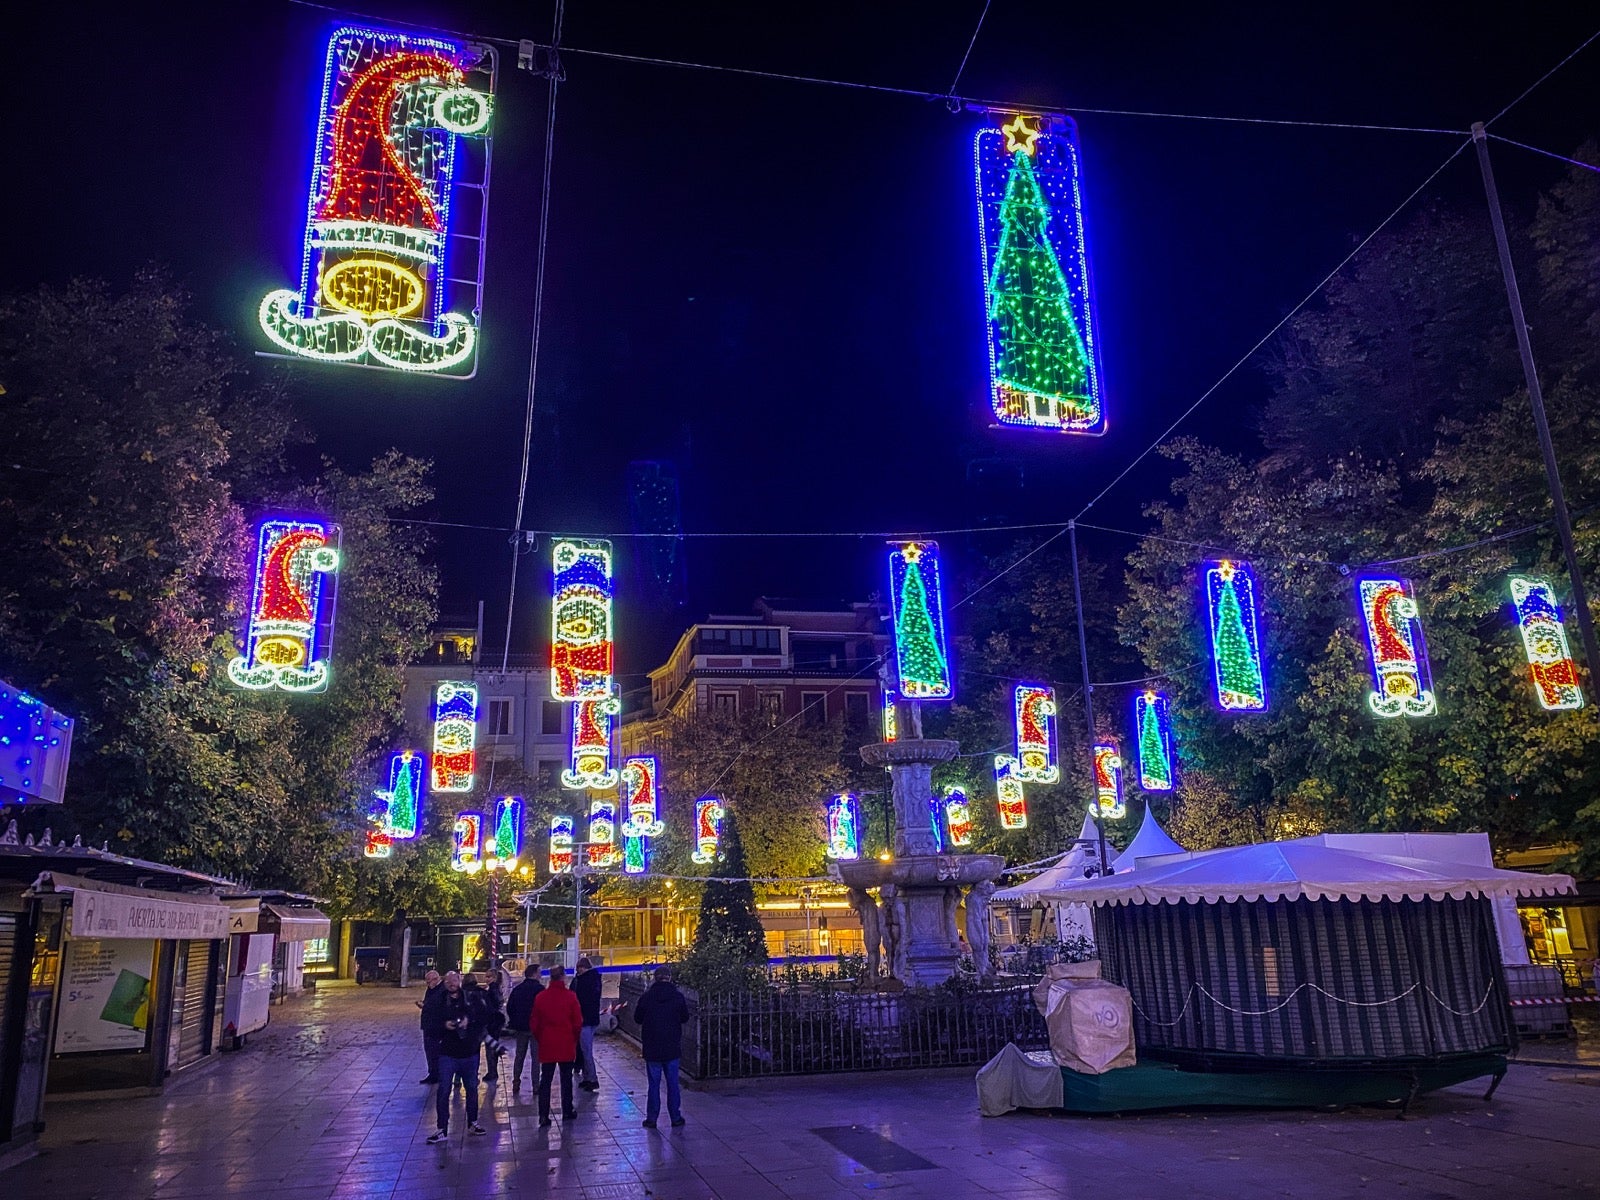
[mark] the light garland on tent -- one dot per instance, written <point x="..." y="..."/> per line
<point x="455" y="737"/>
<point x="1544" y="639"/>
<point x="291" y="607"/>
<point x="1044" y="362"/>
<point x="1394" y="643"/>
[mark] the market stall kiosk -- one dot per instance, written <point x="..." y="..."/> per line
<point x="1301" y="972"/>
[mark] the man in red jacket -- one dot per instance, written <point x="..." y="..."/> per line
<point x="557" y="1018"/>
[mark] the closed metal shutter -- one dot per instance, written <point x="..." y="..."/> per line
<point x="8" y="956"/>
<point x="192" y="1039"/>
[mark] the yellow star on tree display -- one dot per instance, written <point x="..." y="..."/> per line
<point x="1019" y="136"/>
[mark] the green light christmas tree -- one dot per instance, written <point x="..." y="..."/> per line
<point x="1041" y="365"/>
<point x="924" y="666"/>
<point x="1155" y="769"/>
<point x="1238" y="664"/>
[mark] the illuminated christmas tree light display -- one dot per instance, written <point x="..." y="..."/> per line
<point x="1035" y="712"/>
<point x="1152" y="718"/>
<point x="635" y="856"/>
<point x="1544" y="638"/>
<point x="402" y="800"/>
<point x="397" y="117"/>
<point x="1044" y="359"/>
<point x="582" y="652"/>
<point x="958" y="816"/>
<point x="591" y="745"/>
<point x="708" y="814"/>
<point x="1009" y="794"/>
<point x="922" y="655"/>
<point x="1235" y="637"/>
<point x="1395" y="646"/>
<point x="844" y="827"/>
<point x="890" y="730"/>
<point x="505" y="847"/>
<point x="561" y="845"/>
<point x="466" y="852"/>
<point x="455" y="737"/>
<point x="1108" y="781"/>
<point x="602" y="848"/>
<point x="640" y="797"/>
<point x="291" y="607"/>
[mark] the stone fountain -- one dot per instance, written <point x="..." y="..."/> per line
<point x="919" y="889"/>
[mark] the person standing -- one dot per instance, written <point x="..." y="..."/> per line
<point x="430" y="1043"/>
<point x="519" y="1019"/>
<point x="586" y="986"/>
<point x="494" y="1025"/>
<point x="457" y="1021"/>
<point x="556" y="1022"/>
<point x="662" y="1012"/>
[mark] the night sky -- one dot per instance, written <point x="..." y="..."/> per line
<point x="776" y="286"/>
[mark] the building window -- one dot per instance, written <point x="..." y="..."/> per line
<point x="551" y="717"/>
<point x="499" y="716"/>
<point x="317" y="952"/>
<point x="772" y="707"/>
<point x="725" y="702"/>
<point x="547" y="771"/>
<point x="815" y="707"/>
<point x="855" y="709"/>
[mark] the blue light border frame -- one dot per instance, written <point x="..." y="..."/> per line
<point x="935" y="581"/>
<point x="1055" y="128"/>
<point x="1413" y="634"/>
<point x="324" y="599"/>
<point x="1162" y="703"/>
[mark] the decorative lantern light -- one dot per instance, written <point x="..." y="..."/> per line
<point x="504" y="848"/>
<point x="560" y="845"/>
<point x="640" y="797"/>
<point x="1402" y="687"/>
<point x="467" y="854"/>
<point x="290" y="630"/>
<point x="921" y="651"/>
<point x="958" y="816"/>
<point x="1544" y="638"/>
<point x="455" y="737"/>
<point x="844" y="827"/>
<point x="602" y="849"/>
<point x="402" y="800"/>
<point x="1152" y="719"/>
<point x="1235" y="637"/>
<point x="708" y="814"/>
<point x="1035" y="714"/>
<point x="1108" y="781"/>
<point x="1009" y="794"/>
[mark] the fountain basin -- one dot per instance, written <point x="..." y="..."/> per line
<point x="922" y="870"/>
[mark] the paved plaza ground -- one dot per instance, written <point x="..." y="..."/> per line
<point x="325" y="1103"/>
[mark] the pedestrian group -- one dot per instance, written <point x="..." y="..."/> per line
<point x="552" y="1026"/>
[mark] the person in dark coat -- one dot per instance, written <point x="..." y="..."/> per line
<point x="430" y="1044"/>
<point x="457" y="1020"/>
<point x="519" y="1019"/>
<point x="494" y="1025"/>
<point x="556" y="1022"/>
<point x="662" y="1012"/>
<point x="586" y="986"/>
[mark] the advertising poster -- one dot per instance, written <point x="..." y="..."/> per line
<point x="105" y="995"/>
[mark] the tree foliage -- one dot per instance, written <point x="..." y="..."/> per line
<point x="144" y="449"/>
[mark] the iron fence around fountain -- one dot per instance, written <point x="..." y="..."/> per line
<point x="823" y="1030"/>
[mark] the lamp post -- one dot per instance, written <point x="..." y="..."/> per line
<point x="495" y="867"/>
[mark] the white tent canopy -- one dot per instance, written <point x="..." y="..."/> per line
<point x="1314" y="867"/>
<point x="1067" y="869"/>
<point x="1150" y="841"/>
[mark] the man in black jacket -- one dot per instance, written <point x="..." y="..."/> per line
<point x="662" y="1013"/>
<point x="430" y="1044"/>
<point x="457" y="1019"/>
<point x="586" y="986"/>
<point x="519" y="1019"/>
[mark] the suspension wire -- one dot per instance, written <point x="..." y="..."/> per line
<point x="1279" y="324"/>
<point x="518" y="540"/>
<point x="1582" y="46"/>
<point x="1156" y="537"/>
<point x="1547" y="153"/>
<point x="956" y="82"/>
<point x="974" y="103"/>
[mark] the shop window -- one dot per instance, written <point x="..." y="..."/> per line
<point x="317" y="952"/>
<point x="499" y="716"/>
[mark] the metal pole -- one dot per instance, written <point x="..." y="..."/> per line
<point x="493" y="924"/>
<point x="1552" y="474"/>
<point x="1088" y="688"/>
